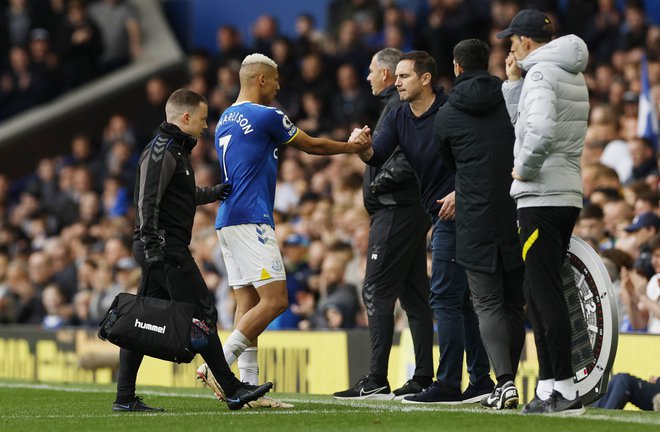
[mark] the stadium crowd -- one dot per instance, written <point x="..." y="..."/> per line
<point x="65" y="233"/>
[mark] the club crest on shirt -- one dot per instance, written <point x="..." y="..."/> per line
<point x="286" y="122"/>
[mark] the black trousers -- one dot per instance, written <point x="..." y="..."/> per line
<point x="396" y="269"/>
<point x="187" y="286"/>
<point x="545" y="234"/>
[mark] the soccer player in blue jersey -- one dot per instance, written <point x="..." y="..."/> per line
<point x="247" y="138"/>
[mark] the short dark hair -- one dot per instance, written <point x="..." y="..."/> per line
<point x="654" y="243"/>
<point x="187" y="98"/>
<point x="183" y="100"/>
<point x="472" y="54"/>
<point x="592" y="211"/>
<point x="422" y="63"/>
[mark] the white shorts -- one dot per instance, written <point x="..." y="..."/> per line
<point x="252" y="256"/>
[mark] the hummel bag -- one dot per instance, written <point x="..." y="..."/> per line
<point x="152" y="326"/>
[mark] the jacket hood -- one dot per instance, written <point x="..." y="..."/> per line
<point x="568" y="52"/>
<point x="440" y="98"/>
<point x="476" y="93"/>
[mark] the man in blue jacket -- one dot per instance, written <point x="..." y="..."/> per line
<point x="411" y="127"/>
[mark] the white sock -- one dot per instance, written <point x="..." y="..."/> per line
<point x="544" y="388"/>
<point x="235" y="344"/>
<point x="566" y="388"/>
<point x="248" y="366"/>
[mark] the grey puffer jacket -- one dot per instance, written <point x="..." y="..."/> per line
<point x="549" y="110"/>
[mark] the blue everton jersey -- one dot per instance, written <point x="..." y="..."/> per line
<point x="246" y="139"/>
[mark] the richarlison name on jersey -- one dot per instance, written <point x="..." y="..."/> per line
<point x="239" y="118"/>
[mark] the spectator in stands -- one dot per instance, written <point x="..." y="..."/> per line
<point x="264" y="31"/>
<point x="294" y="254"/>
<point x="79" y="45"/>
<point x="230" y="46"/>
<point x="643" y="228"/>
<point x="57" y="313"/>
<point x="602" y="30"/>
<point x="644" y="163"/>
<point x="625" y="388"/>
<point x="120" y="33"/>
<point x="352" y="102"/>
<point x="590" y="226"/>
<point x="632" y="32"/>
<point x="16" y="20"/>
<point x="25" y="302"/>
<point x="338" y="303"/>
<point x="45" y="60"/>
<point x="64" y="269"/>
<point x="23" y="86"/>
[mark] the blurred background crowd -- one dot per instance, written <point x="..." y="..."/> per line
<point x="66" y="228"/>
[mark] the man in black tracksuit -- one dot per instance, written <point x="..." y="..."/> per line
<point x="410" y="127"/>
<point x="396" y="258"/>
<point x="165" y="200"/>
<point x="476" y="137"/>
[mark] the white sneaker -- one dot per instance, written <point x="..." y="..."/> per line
<point x="206" y="376"/>
<point x="266" y="402"/>
<point x="505" y="397"/>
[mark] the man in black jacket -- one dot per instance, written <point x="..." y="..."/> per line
<point x="410" y="126"/>
<point x="476" y="136"/>
<point x="396" y="264"/>
<point x="165" y="200"/>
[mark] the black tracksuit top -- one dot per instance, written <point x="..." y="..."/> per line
<point x="165" y="192"/>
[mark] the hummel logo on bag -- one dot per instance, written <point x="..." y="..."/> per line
<point x="150" y="327"/>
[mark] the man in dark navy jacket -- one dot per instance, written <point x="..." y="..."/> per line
<point x="476" y="137"/>
<point x="396" y="259"/>
<point x="411" y="127"/>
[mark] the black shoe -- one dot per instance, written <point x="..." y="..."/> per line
<point x="135" y="405"/>
<point x="535" y="406"/>
<point x="437" y="393"/>
<point x="505" y="397"/>
<point x="475" y="392"/>
<point x="366" y="388"/>
<point x="246" y="393"/>
<point x="560" y="406"/>
<point x="410" y="388"/>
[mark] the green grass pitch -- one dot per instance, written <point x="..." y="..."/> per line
<point x="32" y="407"/>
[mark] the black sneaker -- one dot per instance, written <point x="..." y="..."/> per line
<point x="535" y="406"/>
<point x="366" y="388"/>
<point x="410" y="388"/>
<point x="505" y="397"/>
<point x="136" y="405"/>
<point x="560" y="406"/>
<point x="437" y="393"/>
<point x="246" y="393"/>
<point x="475" y="392"/>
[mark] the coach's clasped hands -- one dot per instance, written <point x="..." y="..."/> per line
<point x="362" y="137"/>
<point x="222" y="191"/>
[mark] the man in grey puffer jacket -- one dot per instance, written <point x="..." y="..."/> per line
<point x="549" y="109"/>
